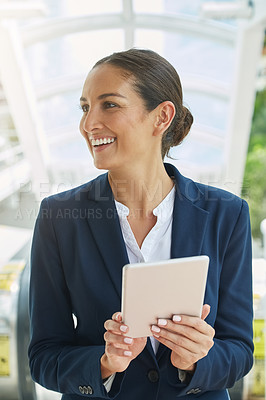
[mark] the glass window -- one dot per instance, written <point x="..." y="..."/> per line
<point x="72" y="54"/>
<point x="61" y="110"/>
<point x="148" y="6"/>
<point x="186" y="7"/>
<point x="191" y="7"/>
<point x="71" y="150"/>
<point x="207" y="110"/>
<point x="203" y="56"/>
<point x="149" y="38"/>
<point x="197" y="152"/>
<point x="81" y="7"/>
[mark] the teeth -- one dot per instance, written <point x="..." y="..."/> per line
<point x="98" y="142"/>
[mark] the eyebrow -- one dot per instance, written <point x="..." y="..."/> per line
<point x="104" y="95"/>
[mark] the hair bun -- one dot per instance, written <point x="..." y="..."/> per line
<point x="187" y="120"/>
<point x="178" y="130"/>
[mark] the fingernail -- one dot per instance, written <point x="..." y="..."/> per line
<point x="155" y="328"/>
<point x="127" y="353"/>
<point x="123" y="328"/>
<point x="176" y="318"/>
<point x="162" y="322"/>
<point x="156" y="335"/>
<point x="128" y="340"/>
<point x="118" y="317"/>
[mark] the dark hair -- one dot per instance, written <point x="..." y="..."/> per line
<point x="155" y="80"/>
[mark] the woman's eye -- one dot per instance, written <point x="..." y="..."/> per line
<point x="84" y="108"/>
<point x="109" y="104"/>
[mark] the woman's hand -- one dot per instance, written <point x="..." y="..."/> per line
<point x="189" y="338"/>
<point x="120" y="349"/>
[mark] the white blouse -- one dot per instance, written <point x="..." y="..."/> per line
<point x="157" y="244"/>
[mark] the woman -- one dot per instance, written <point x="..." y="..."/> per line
<point x="141" y="210"/>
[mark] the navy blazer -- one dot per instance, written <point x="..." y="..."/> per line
<point x="77" y="256"/>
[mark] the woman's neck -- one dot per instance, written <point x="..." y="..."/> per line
<point x="140" y="189"/>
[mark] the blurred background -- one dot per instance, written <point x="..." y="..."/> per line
<point x="46" y="50"/>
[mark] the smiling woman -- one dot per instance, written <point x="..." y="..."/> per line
<point x="141" y="210"/>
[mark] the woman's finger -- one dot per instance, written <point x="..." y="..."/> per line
<point x="118" y="327"/>
<point x="111" y="350"/>
<point x="117" y="317"/>
<point x="123" y="342"/>
<point x="205" y="311"/>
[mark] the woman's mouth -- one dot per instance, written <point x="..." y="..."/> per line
<point x="100" y="144"/>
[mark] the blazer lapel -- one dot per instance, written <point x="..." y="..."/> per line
<point x="189" y="226"/>
<point x="189" y="221"/>
<point x="105" y="227"/>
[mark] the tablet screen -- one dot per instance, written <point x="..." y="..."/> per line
<point x="161" y="289"/>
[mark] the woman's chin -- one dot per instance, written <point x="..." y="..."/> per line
<point x="108" y="163"/>
<point x="101" y="164"/>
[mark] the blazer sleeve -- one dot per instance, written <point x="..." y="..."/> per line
<point x="55" y="361"/>
<point x="231" y="357"/>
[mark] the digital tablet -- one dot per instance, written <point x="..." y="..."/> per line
<point x="160" y="290"/>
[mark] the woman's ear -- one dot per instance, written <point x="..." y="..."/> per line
<point x="164" y="114"/>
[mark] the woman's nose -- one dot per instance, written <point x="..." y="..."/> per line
<point x="92" y="121"/>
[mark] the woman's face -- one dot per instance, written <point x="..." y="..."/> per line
<point x="115" y="124"/>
